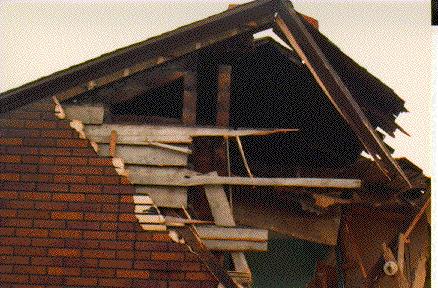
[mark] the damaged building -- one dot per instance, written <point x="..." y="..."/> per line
<point x="206" y="157"/>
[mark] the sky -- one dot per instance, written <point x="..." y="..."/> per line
<point x="392" y="40"/>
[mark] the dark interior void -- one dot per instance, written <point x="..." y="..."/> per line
<point x="161" y="102"/>
<point x="288" y="263"/>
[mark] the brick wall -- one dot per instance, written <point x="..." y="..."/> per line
<point x="67" y="218"/>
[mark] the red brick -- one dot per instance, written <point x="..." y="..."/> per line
<point x="35" y="196"/>
<point x="112" y="208"/>
<point x="81" y="281"/>
<point x="100" y="217"/>
<point x="101" y="254"/>
<point x="82" y="170"/>
<point x="12" y="123"/>
<point x="50" y="205"/>
<point x="10" y="158"/>
<point x="13" y="278"/>
<point x="74" y="234"/>
<point x="103" y="180"/>
<point x="7" y="231"/>
<point x="100" y="161"/>
<point x="45" y="242"/>
<point x="151" y="246"/>
<point x="19" y="133"/>
<point x="40" y="142"/>
<point x="22" y="260"/>
<point x="125" y="236"/>
<point x="69" y="179"/>
<point x="91" y="272"/>
<point x="80" y="262"/>
<point x="168" y="275"/>
<point x="82" y="243"/>
<point x="163" y="237"/>
<point x="99" y="235"/>
<point x="42" y="279"/>
<point x="132" y="274"/>
<point x="56" y="133"/>
<point x="86" y="188"/>
<point x="35" y="214"/>
<point x="127" y="218"/>
<point x="9" y="177"/>
<point x="142" y="255"/>
<point x="70" y="161"/>
<point x="30" y="269"/>
<point x="40" y="124"/>
<point x="99" y="198"/>
<point x="122" y="264"/>
<point x="64" y="252"/>
<point x="167" y="256"/>
<point x="80" y="206"/>
<point x="125" y="254"/>
<point x="25" y="232"/>
<point x="115" y="283"/>
<point x="63" y="271"/>
<point x="11" y="141"/>
<point x="185" y="284"/>
<point x="36" y="178"/>
<point x="31" y="251"/>
<point x="83" y="225"/>
<point x="141" y="283"/>
<point x="68" y="197"/>
<point x="8" y="213"/>
<point x="152" y="265"/>
<point x="13" y="241"/>
<point x="26" y="168"/>
<point x="110" y="226"/>
<point x="22" y="150"/>
<point x="116" y="245"/>
<point x="8" y="195"/>
<point x="6" y="268"/>
<point x="84" y="152"/>
<point x="58" y="169"/>
<point x="38" y="159"/>
<point x="17" y="204"/>
<point x="47" y="261"/>
<point x="52" y="187"/>
<point x="72" y="143"/>
<point x="51" y="224"/>
<point x="67" y="215"/>
<point x="6" y="250"/>
<point x="18" y="222"/>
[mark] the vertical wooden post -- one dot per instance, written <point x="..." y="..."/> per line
<point x="223" y="96"/>
<point x="190" y="97"/>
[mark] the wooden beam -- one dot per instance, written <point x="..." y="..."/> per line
<point x="219" y="206"/>
<point x="205" y="180"/>
<point x="232" y="233"/>
<point x="290" y="24"/>
<point x="189" y="98"/>
<point x="112" y="144"/>
<point x="236" y="246"/>
<point x="223" y="96"/>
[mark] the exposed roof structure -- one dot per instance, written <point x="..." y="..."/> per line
<point x="204" y="140"/>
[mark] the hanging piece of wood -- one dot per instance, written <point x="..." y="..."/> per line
<point x="232" y="233"/>
<point x="170" y="147"/>
<point x="242" y="153"/>
<point x="292" y="27"/>
<point x="112" y="144"/>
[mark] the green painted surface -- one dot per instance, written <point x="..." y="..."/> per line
<point x="288" y="263"/>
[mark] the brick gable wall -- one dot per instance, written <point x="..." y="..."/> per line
<point x="67" y="218"/>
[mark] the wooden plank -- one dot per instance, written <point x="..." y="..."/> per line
<point x="223" y="96"/>
<point x="220" y="208"/>
<point x="189" y="98"/>
<point x="236" y="246"/>
<point x="143" y="133"/>
<point x="112" y="144"/>
<point x="204" y="180"/>
<point x="88" y="114"/>
<point x="143" y="140"/>
<point x="169" y="197"/>
<point x="290" y="24"/>
<point x="232" y="233"/>
<point x="146" y="155"/>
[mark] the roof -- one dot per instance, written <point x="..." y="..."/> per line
<point x="363" y="93"/>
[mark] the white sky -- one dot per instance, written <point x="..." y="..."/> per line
<point x="390" y="39"/>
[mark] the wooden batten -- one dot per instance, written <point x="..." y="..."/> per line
<point x="88" y="114"/>
<point x="223" y="96"/>
<point x="232" y="233"/>
<point x="146" y="155"/>
<point x="189" y="98"/>
<point x="207" y="180"/>
<point x="236" y="246"/>
<point x="169" y="197"/>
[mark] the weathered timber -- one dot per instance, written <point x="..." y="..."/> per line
<point x="205" y="180"/>
<point x="223" y="96"/>
<point x="146" y="155"/>
<point x="88" y="114"/>
<point x="144" y="141"/>
<point x="236" y="246"/>
<point x="170" y="147"/>
<point x="143" y="133"/>
<point x="189" y="98"/>
<point x="219" y="206"/>
<point x="112" y="144"/>
<point x="290" y="24"/>
<point x="170" y="197"/>
<point x="242" y="154"/>
<point x="232" y="233"/>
